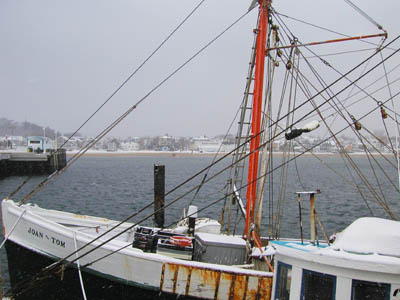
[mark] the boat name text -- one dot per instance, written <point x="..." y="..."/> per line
<point x="39" y="234"/>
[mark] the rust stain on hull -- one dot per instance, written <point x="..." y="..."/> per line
<point x="213" y="284"/>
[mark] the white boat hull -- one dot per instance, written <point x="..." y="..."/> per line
<point x="53" y="235"/>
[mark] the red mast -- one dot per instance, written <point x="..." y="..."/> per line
<point x="256" y="114"/>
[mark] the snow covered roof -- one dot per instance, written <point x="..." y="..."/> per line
<point x="370" y="236"/>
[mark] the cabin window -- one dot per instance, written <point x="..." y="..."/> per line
<point x="284" y="279"/>
<point x="318" y="286"/>
<point x="369" y="290"/>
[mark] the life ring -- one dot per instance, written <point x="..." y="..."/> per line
<point x="181" y="241"/>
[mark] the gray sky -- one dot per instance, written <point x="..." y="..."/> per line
<point x="59" y="60"/>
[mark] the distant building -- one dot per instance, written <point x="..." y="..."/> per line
<point x="111" y="147"/>
<point x="130" y="146"/>
<point x="39" y="144"/>
<point x="205" y="144"/>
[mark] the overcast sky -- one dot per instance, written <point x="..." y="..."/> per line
<point x="60" y="60"/>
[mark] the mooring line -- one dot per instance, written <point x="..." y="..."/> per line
<point x="12" y="229"/>
<point x="79" y="267"/>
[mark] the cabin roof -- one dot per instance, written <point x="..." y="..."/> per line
<point x="365" y="243"/>
<point x="370" y="236"/>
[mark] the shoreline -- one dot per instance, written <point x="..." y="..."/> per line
<point x="194" y="154"/>
<point x="145" y="153"/>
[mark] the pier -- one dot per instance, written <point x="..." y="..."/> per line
<point x="31" y="163"/>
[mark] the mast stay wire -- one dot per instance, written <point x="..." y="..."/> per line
<point x="370" y="95"/>
<point x="377" y="151"/>
<point x="54" y="265"/>
<point x="308" y="94"/>
<point x="350" y="160"/>
<point x="397" y="125"/>
<point x="362" y="98"/>
<point x="343" y="152"/>
<point x="364" y="14"/>
<point x="127" y="112"/>
<point x="263" y="175"/>
<point x="122" y="84"/>
<point x="51" y="267"/>
<point x="260" y="177"/>
<point x="277" y="121"/>
<point x="137" y="69"/>
<point x="325" y="85"/>
<point x="326" y="29"/>
<point x="331" y="83"/>
<point x="41" y="185"/>
<point x="360" y="89"/>
<point x="353" y="164"/>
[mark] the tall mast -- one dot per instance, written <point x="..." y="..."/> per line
<point x="256" y="114"/>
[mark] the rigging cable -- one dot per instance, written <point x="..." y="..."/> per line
<point x="370" y="96"/>
<point x="364" y="14"/>
<point x="138" y="68"/>
<point x="344" y="153"/>
<point x="307" y="92"/>
<point x="397" y="125"/>
<point x="280" y="166"/>
<point x="127" y="112"/>
<point x="123" y="83"/>
<point x="51" y="267"/>
<point x="325" y="29"/>
<point x="362" y="98"/>
<point x="351" y="161"/>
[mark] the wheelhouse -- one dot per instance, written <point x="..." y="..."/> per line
<point x="348" y="269"/>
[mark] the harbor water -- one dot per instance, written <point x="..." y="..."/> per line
<point x="116" y="186"/>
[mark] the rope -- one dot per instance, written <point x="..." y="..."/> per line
<point x="19" y="188"/>
<point x="12" y="229"/>
<point x="79" y="267"/>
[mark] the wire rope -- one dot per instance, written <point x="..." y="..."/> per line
<point x="127" y="112"/>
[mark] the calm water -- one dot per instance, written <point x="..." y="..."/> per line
<point x="115" y="187"/>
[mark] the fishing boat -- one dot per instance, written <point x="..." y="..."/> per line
<point x="56" y="254"/>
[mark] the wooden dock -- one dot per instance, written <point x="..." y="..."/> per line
<point x="30" y="163"/>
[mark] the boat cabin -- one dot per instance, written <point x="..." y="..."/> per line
<point x="38" y="144"/>
<point x="362" y="263"/>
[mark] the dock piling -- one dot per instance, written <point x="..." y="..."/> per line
<point x="159" y="191"/>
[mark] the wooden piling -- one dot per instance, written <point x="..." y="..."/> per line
<point x="312" y="216"/>
<point x="312" y="213"/>
<point x="159" y="191"/>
